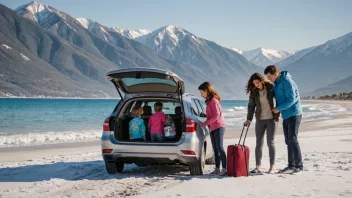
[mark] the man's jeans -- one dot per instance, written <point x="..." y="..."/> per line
<point x="291" y="126"/>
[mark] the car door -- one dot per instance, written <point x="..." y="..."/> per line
<point x="202" y="116"/>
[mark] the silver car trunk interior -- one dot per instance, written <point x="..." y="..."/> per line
<point x="121" y="128"/>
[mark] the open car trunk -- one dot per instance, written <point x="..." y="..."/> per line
<point x="146" y="80"/>
<point x="171" y="107"/>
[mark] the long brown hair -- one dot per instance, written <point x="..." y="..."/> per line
<point x="251" y="88"/>
<point x="211" y="92"/>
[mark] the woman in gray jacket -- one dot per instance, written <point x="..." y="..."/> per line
<point x="261" y="102"/>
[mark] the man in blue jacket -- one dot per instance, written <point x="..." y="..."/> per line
<point x="288" y="103"/>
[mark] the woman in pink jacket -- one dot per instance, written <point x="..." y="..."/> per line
<point x="215" y="120"/>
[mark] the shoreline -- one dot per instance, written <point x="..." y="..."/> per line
<point x="340" y="120"/>
<point x="28" y="152"/>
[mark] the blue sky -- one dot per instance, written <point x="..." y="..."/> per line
<point x="248" y="24"/>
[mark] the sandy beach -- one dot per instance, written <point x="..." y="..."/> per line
<point x="77" y="169"/>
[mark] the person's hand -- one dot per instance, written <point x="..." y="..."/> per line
<point x="246" y="123"/>
<point x="277" y="119"/>
<point x="203" y="125"/>
<point x="275" y="110"/>
<point x="144" y="139"/>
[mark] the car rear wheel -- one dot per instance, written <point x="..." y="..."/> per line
<point x="114" y="167"/>
<point x="199" y="167"/>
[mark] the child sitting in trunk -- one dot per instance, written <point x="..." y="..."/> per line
<point x="169" y="129"/>
<point x="136" y="125"/>
<point x="156" y="123"/>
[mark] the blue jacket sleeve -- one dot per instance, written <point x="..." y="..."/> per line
<point x="142" y="129"/>
<point x="291" y="96"/>
<point x="130" y="128"/>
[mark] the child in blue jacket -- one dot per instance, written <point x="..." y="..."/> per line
<point x="136" y="126"/>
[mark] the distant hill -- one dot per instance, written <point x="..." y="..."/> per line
<point x="323" y="65"/>
<point x="342" y="86"/>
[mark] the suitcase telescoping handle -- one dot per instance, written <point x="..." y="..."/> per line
<point x="244" y="139"/>
<point x="243" y="146"/>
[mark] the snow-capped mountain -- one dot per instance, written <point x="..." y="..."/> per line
<point x="38" y="63"/>
<point x="264" y="57"/>
<point x="96" y="28"/>
<point x="222" y="63"/>
<point x="87" y="23"/>
<point x="193" y="59"/>
<point x="44" y="15"/>
<point x="167" y="39"/>
<point x="323" y="64"/>
<point x="132" y="34"/>
<point x="332" y="47"/>
<point x="58" y="22"/>
<point x="81" y="51"/>
<point x="101" y="29"/>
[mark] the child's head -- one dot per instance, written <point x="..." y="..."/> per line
<point x="137" y="111"/>
<point x="158" y="107"/>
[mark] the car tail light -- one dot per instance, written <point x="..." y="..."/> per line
<point x="191" y="126"/>
<point x="107" y="150"/>
<point x="188" y="152"/>
<point x="106" y="125"/>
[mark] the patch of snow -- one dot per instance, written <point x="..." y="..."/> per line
<point x="25" y="57"/>
<point x="237" y="50"/>
<point x="68" y="25"/>
<point x="264" y="57"/>
<point x="167" y="37"/>
<point x="132" y="34"/>
<point x="102" y="29"/>
<point x="84" y="22"/>
<point x="6" y="47"/>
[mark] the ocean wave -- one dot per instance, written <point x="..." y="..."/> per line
<point x="234" y="118"/>
<point x="321" y="111"/>
<point x="235" y="108"/>
<point x="314" y="109"/>
<point x="48" y="138"/>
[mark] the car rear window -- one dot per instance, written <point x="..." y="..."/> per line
<point x="168" y="106"/>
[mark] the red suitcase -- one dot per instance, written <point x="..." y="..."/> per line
<point x="238" y="158"/>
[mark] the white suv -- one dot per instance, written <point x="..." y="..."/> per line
<point x="143" y="87"/>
